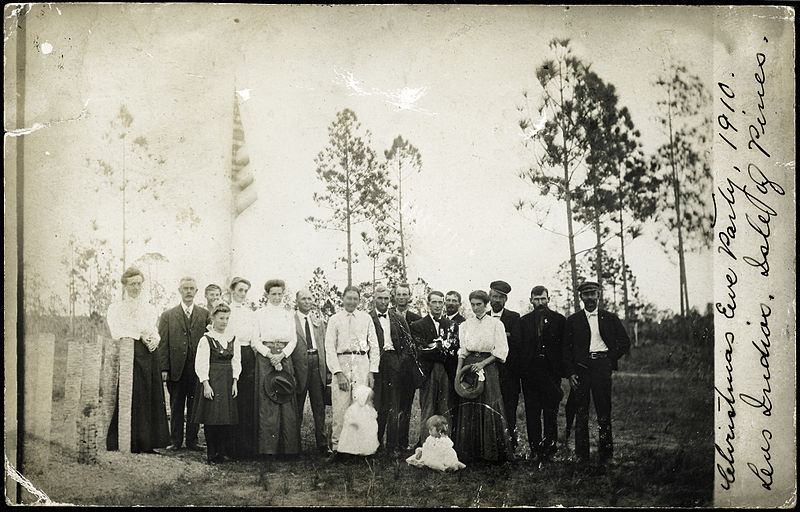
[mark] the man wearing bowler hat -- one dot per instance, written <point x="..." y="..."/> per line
<point x="510" y="371"/>
<point x="594" y="339"/>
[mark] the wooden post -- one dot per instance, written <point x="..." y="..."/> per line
<point x="125" y="394"/>
<point x="92" y="358"/>
<point x="109" y="378"/>
<point x="86" y="425"/>
<point x="38" y="399"/>
<point x="72" y="395"/>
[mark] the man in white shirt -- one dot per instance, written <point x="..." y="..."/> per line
<point x="310" y="370"/>
<point x="594" y="339"/>
<point x="352" y="355"/>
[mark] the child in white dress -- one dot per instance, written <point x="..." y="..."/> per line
<point x="360" y="429"/>
<point x="437" y="452"/>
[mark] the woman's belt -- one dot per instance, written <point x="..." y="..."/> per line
<point x="480" y="354"/>
<point x="275" y="346"/>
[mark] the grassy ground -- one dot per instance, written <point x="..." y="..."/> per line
<point x="662" y="421"/>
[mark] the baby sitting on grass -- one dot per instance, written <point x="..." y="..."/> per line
<point x="437" y="452"/>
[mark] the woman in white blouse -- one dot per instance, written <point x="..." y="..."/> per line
<point x="274" y="339"/>
<point x="482" y="432"/>
<point x="133" y="320"/>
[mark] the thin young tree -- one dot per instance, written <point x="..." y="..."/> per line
<point x="355" y="183"/>
<point x="682" y="162"/>
<point x="377" y="244"/>
<point x="402" y="159"/>
<point x="554" y="130"/>
<point x="636" y="202"/>
<point x="138" y="171"/>
<point x="599" y="114"/>
<point x="611" y="196"/>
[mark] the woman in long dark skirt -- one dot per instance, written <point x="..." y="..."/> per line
<point x="241" y="325"/>
<point x="482" y="432"/>
<point x="274" y="339"/>
<point x="133" y="320"/>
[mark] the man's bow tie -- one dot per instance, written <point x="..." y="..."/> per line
<point x="593" y="313"/>
<point x="382" y="315"/>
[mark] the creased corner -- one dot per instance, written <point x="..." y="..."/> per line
<point x="41" y="497"/>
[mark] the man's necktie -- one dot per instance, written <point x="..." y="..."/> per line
<point x="309" y="341"/>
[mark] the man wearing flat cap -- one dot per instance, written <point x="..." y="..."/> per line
<point x="594" y="339"/>
<point x="510" y="371"/>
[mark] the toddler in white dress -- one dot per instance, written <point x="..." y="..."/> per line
<point x="437" y="452"/>
<point x="360" y="429"/>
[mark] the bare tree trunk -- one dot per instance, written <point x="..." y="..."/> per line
<point x="676" y="193"/>
<point x="624" y="266"/>
<point x="573" y="263"/>
<point x="679" y="223"/>
<point x="400" y="215"/>
<point x="624" y="270"/>
<point x="124" y="188"/>
<point x="598" y="264"/>
<point x="572" y="259"/>
<point x="347" y="213"/>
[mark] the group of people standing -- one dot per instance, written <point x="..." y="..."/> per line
<point x="245" y="374"/>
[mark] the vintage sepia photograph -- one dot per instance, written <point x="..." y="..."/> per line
<point x="396" y="255"/>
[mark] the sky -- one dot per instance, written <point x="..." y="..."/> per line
<point x="176" y="67"/>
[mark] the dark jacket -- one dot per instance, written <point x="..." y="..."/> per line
<point x="410" y="317"/>
<point x="510" y="320"/>
<point x="423" y="332"/>
<point x="459" y="319"/>
<point x="577" y="338"/>
<point x="179" y="337"/>
<point x="528" y="341"/>
<point x="300" y="353"/>
<point x="401" y="338"/>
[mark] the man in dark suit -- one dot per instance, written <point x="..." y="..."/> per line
<point x="433" y="338"/>
<point x="452" y="305"/>
<point x="594" y="340"/>
<point x="394" y="383"/>
<point x="539" y="336"/>
<point x="509" y="371"/>
<point x="180" y="329"/>
<point x="310" y="371"/>
<point x="402" y="298"/>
